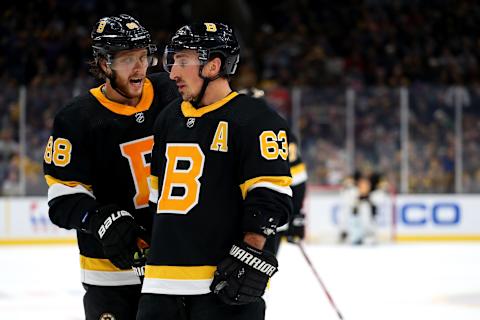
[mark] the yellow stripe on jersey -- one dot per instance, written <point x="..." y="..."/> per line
<point x="153" y="182"/>
<point x="153" y="185"/>
<point x="279" y="181"/>
<point x="101" y="272"/>
<point x="190" y="111"/>
<point x="96" y="264"/>
<point x="118" y="108"/>
<point x="51" y="181"/>
<point x="299" y="168"/>
<point x="180" y="273"/>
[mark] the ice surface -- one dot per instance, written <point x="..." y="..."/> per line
<point x="415" y="281"/>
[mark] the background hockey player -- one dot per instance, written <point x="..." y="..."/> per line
<point x="362" y="201"/>
<point x="97" y="163"/>
<point x="220" y="180"/>
<point x="295" y="230"/>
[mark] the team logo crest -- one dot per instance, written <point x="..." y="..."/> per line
<point x="132" y="25"/>
<point x="190" y="122"/>
<point x="139" y="117"/>
<point x="107" y="316"/>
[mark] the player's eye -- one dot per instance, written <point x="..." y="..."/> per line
<point x="144" y="59"/>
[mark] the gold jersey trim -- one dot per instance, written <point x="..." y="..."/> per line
<point x="190" y="111"/>
<point x="102" y="272"/>
<point x="299" y="174"/>
<point x="153" y="187"/>
<point x="154" y="182"/>
<point x="143" y="105"/>
<point x="283" y="182"/>
<point x="180" y="273"/>
<point x="299" y="168"/>
<point x="51" y="181"/>
<point x="96" y="264"/>
<point x="176" y="287"/>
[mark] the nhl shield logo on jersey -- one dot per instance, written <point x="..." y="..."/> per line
<point x="190" y="122"/>
<point x="139" y="117"/>
<point x="107" y="316"/>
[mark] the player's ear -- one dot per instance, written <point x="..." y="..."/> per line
<point x="104" y="66"/>
<point x="213" y="67"/>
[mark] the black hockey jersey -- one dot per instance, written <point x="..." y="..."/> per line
<point x="216" y="171"/>
<point x="98" y="154"/>
<point x="299" y="174"/>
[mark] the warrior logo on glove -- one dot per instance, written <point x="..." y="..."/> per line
<point x="253" y="261"/>
<point x="242" y="277"/>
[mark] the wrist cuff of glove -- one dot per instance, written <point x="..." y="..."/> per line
<point x="298" y="220"/>
<point x="262" y="261"/>
<point x="258" y="222"/>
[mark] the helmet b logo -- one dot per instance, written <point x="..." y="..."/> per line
<point x="101" y="26"/>
<point x="211" y="27"/>
<point x="132" y="25"/>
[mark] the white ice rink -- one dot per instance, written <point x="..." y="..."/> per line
<point x="394" y="282"/>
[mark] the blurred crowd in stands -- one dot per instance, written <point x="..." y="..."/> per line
<point x="320" y="47"/>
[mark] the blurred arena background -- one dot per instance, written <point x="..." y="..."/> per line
<point x="373" y="86"/>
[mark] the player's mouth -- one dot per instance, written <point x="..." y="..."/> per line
<point x="136" y="83"/>
<point x="180" y="86"/>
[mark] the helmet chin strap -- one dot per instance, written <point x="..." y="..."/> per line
<point x="206" y="81"/>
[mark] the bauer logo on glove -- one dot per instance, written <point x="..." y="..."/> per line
<point x="109" y="220"/>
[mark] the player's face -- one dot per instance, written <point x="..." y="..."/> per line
<point x="185" y="73"/>
<point x="130" y="68"/>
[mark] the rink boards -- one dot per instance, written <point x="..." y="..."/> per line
<point x="408" y="218"/>
<point x="426" y="217"/>
<point x="26" y="221"/>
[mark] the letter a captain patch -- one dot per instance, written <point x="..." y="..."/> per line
<point x="219" y="142"/>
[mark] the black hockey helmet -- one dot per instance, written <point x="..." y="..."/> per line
<point x="252" y="92"/>
<point x="118" y="33"/>
<point x="207" y="39"/>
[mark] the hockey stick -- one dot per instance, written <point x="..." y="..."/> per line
<point x="332" y="303"/>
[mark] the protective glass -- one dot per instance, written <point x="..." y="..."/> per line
<point x="171" y="58"/>
<point x="130" y="61"/>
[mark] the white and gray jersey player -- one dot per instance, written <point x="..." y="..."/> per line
<point x="359" y="217"/>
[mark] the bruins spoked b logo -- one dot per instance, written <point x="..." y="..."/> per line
<point x="107" y="316"/>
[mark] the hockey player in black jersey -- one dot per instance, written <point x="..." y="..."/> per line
<point x="220" y="187"/>
<point x="294" y="231"/>
<point x="96" y="164"/>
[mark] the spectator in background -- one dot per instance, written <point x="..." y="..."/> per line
<point x="425" y="45"/>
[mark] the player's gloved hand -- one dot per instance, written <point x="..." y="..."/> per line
<point x="242" y="277"/>
<point x="296" y="228"/>
<point x="117" y="231"/>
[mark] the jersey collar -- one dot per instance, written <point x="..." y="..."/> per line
<point x="190" y="111"/>
<point x="143" y="105"/>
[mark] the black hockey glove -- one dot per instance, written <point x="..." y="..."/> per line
<point x="242" y="277"/>
<point x="296" y="228"/>
<point x="117" y="231"/>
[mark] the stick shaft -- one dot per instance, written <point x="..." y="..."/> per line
<point x="312" y="267"/>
